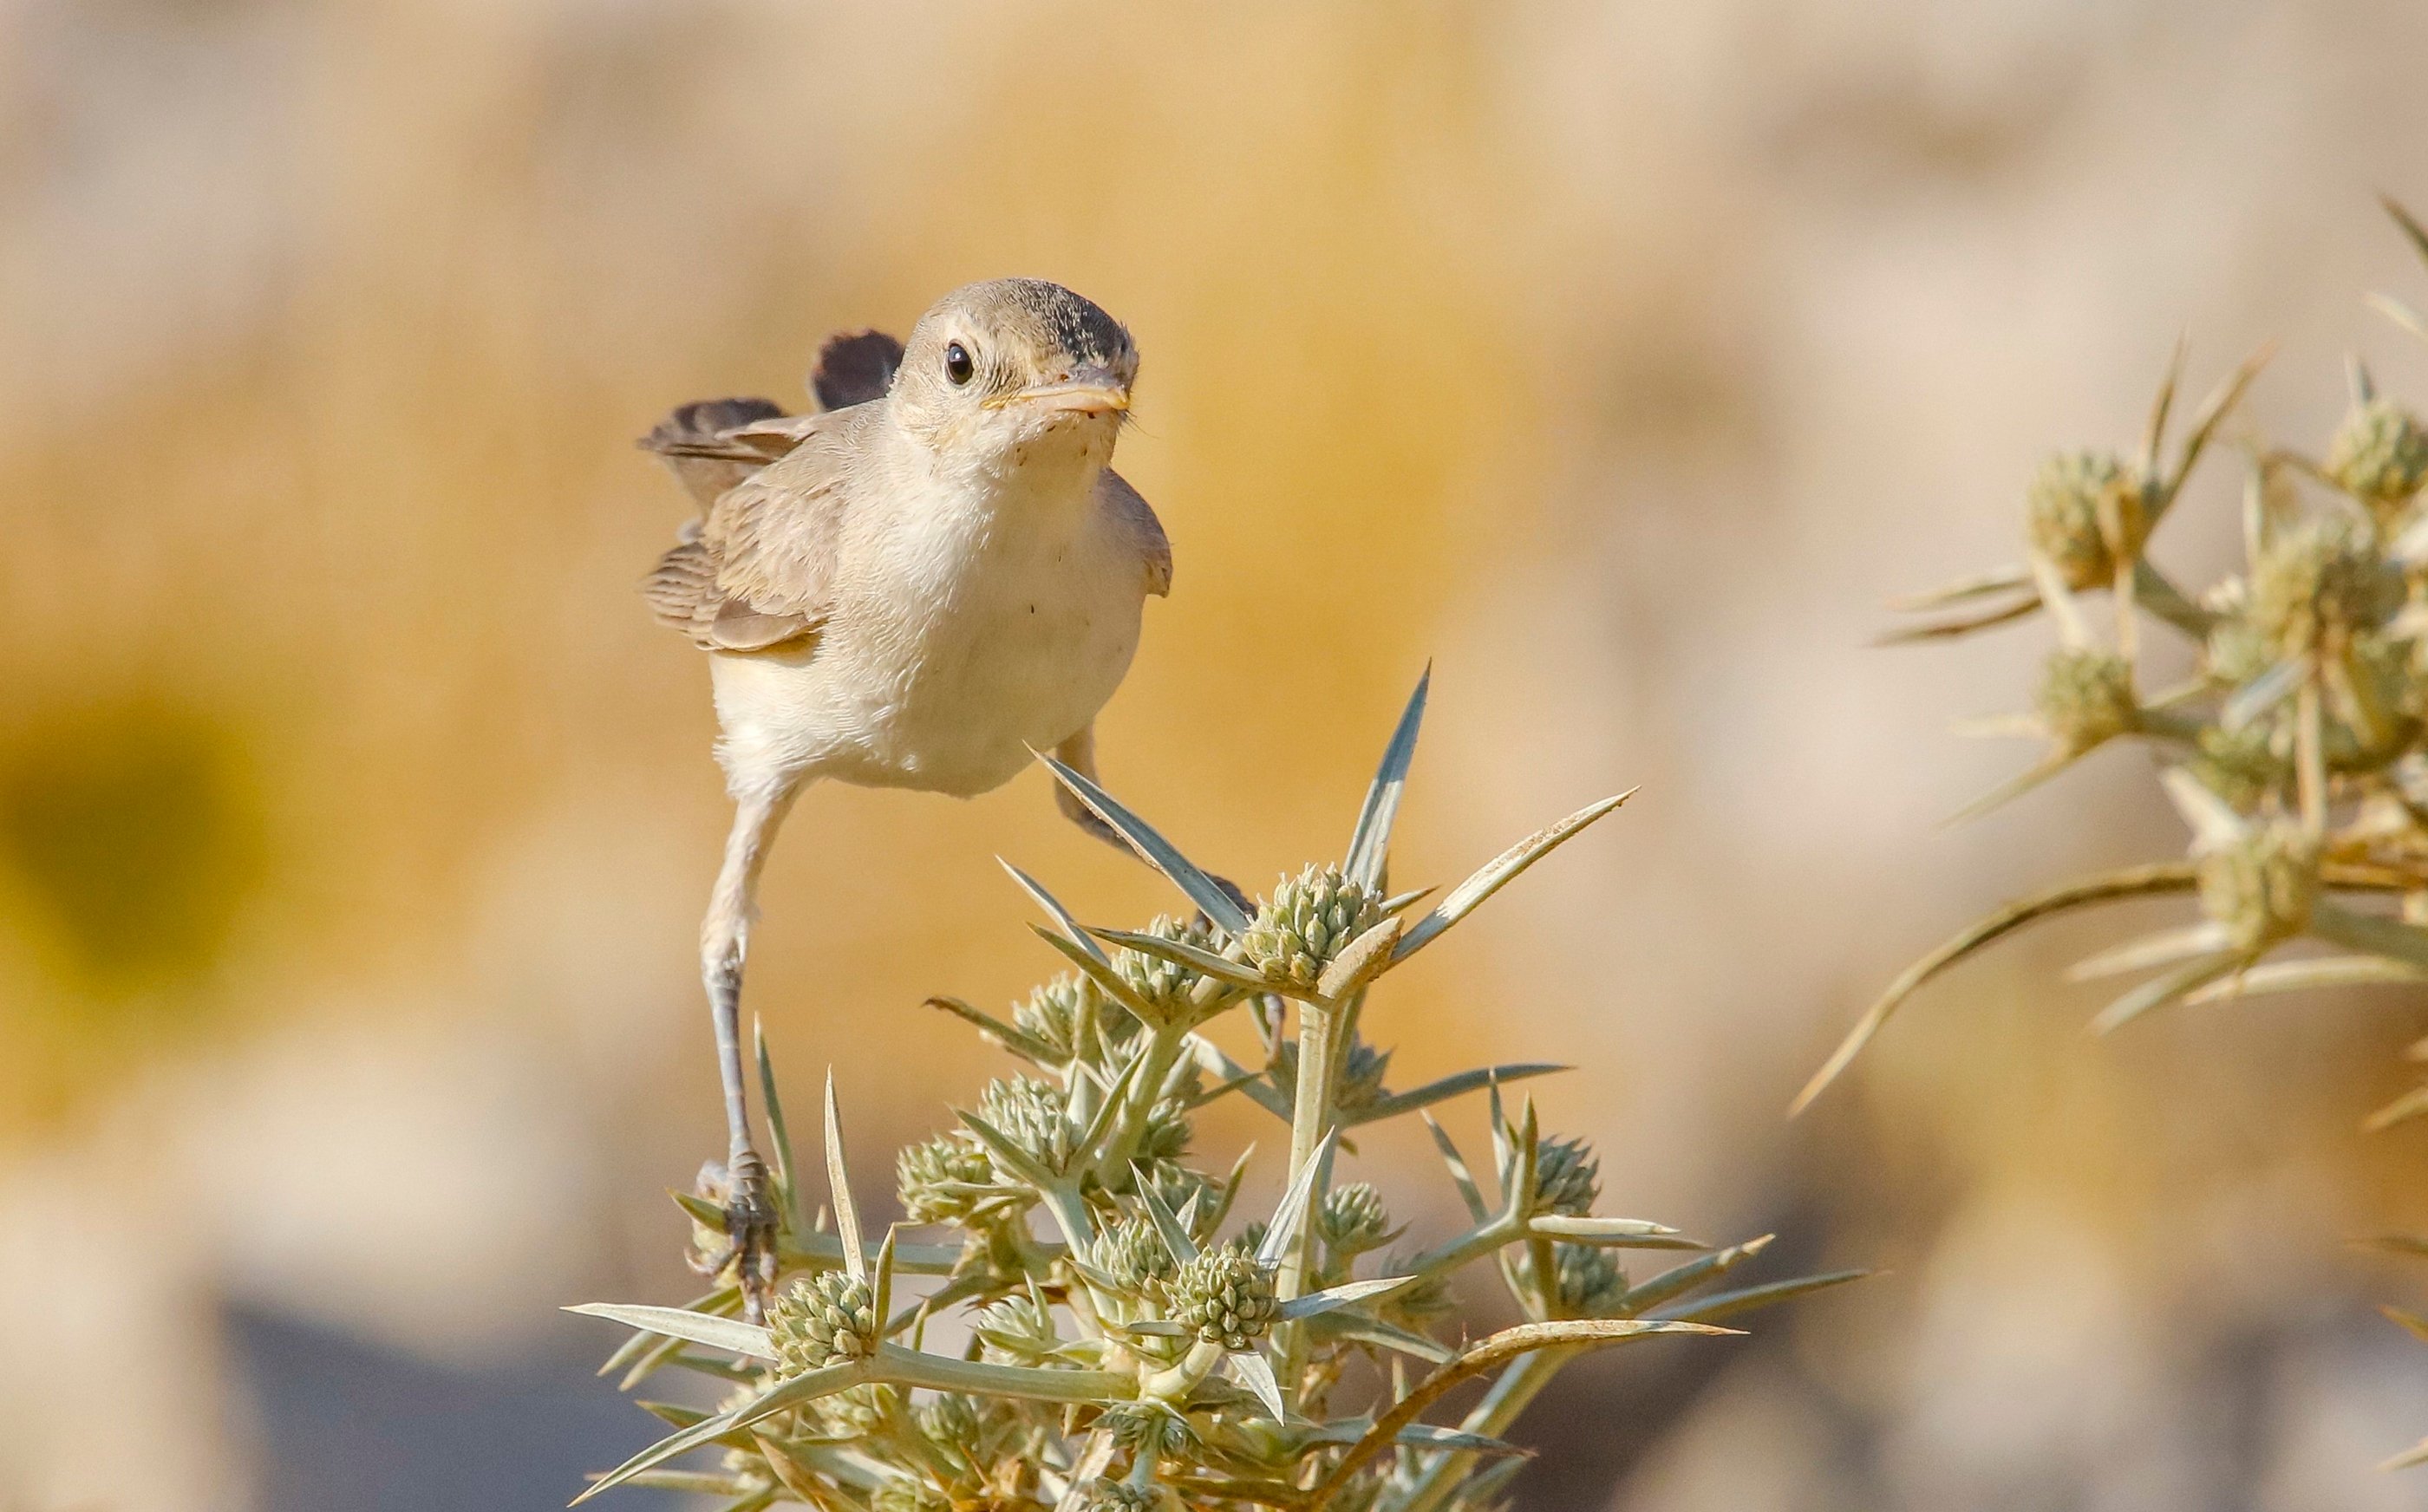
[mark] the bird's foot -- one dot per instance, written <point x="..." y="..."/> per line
<point x="747" y="1247"/>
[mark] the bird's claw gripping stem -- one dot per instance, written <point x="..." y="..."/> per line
<point x="751" y="1234"/>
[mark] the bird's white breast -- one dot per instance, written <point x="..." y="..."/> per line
<point x="975" y="619"/>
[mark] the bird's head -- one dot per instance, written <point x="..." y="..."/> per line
<point x="1016" y="371"/>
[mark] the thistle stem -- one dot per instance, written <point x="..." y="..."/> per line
<point x="1310" y="1120"/>
<point x="899" y="1366"/>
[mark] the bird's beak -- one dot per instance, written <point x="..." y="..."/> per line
<point x="1089" y="391"/>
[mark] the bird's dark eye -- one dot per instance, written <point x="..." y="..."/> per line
<point x="957" y="363"/>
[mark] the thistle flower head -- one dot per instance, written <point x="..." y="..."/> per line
<point x="2321" y="582"/>
<point x="1225" y="1297"/>
<point x="1061" y="1013"/>
<point x="1102" y="1495"/>
<point x="827" y="1319"/>
<point x="1148" y="1427"/>
<point x="1035" y="1116"/>
<point x="1353" y="1219"/>
<point x="909" y="1493"/>
<point x="934" y="1178"/>
<point x="2237" y="649"/>
<point x="1164" y="1138"/>
<point x="952" y="1419"/>
<point x="1309" y="920"/>
<point x="851" y="1414"/>
<point x="2262" y="885"/>
<point x="2064" y="509"/>
<point x="1361" y="1073"/>
<point x="2379" y="455"/>
<point x="2242" y="767"/>
<point x="1591" y="1283"/>
<point x="1133" y="1256"/>
<point x="2086" y="698"/>
<point x="1016" y="1330"/>
<point x="1165" y="986"/>
<point x="1567" y="1177"/>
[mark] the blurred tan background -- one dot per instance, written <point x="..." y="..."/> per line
<point x="355" y="820"/>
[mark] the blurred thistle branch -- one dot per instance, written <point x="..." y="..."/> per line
<point x="1128" y="1347"/>
<point x="2297" y="752"/>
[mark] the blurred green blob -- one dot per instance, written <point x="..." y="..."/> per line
<point x="133" y="833"/>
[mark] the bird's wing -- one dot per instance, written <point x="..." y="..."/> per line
<point x="712" y="444"/>
<point x="759" y="571"/>
<point x="1131" y="512"/>
<point x="699" y="444"/>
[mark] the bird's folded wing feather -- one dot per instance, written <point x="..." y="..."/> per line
<point x="1130" y="509"/>
<point x="760" y="571"/>
<point x="699" y="444"/>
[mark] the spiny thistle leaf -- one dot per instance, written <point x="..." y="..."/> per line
<point x="730" y="1334"/>
<point x="1499" y="871"/>
<point x="1729" y="1304"/>
<point x="1061" y="916"/>
<point x="1159" y="853"/>
<point x="1456" y="1085"/>
<point x="2131" y="881"/>
<point x="1369" y="844"/>
<point x="847" y="1212"/>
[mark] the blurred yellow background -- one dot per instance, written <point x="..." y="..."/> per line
<point x="355" y="821"/>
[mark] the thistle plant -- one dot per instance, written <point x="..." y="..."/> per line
<point x="1134" y="1340"/>
<point x="2296" y="751"/>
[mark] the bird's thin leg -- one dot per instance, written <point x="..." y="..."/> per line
<point x="749" y="1213"/>
<point x="1079" y="754"/>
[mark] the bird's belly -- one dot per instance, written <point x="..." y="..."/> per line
<point x="946" y="691"/>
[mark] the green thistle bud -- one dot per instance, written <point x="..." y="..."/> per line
<point x="2379" y="455"/>
<point x="1147" y="1427"/>
<point x="1309" y="920"/>
<point x="1035" y="1116"/>
<point x="933" y="1179"/>
<point x="1101" y="1495"/>
<point x="1059" y="1015"/>
<point x="1591" y="1283"/>
<point x="1227" y="1297"/>
<point x="851" y="1414"/>
<point x="1164" y="1138"/>
<point x="2062" y="506"/>
<point x="1017" y="1331"/>
<point x="1132" y="1254"/>
<point x="1361" y="1074"/>
<point x="902" y="1493"/>
<point x="2237" y="649"/>
<point x="1163" y="986"/>
<point x="826" y="1320"/>
<point x="1567" y="1177"/>
<point x="1353" y="1219"/>
<point x="952" y="1419"/>
<point x="2242" y="767"/>
<point x="2319" y="584"/>
<point x="1173" y="1183"/>
<point x="2086" y="699"/>
<point x="2262" y="886"/>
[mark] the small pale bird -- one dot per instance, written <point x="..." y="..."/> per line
<point x="923" y="583"/>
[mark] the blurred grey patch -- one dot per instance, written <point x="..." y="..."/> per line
<point x="135" y="834"/>
<point x="347" y="1425"/>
